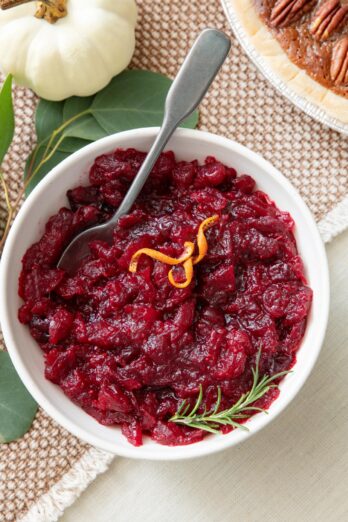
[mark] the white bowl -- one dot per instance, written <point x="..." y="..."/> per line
<point x="46" y="200"/>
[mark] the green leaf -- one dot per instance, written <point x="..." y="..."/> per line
<point x="46" y="167"/>
<point x="191" y="122"/>
<point x="75" y="105"/>
<point x="73" y="144"/>
<point x="85" y="128"/>
<point x="133" y="99"/>
<point x="17" y="408"/>
<point x="7" y="123"/>
<point x="49" y="116"/>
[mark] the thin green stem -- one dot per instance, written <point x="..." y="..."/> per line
<point x="9" y="210"/>
<point x="63" y="127"/>
<point x="36" y="170"/>
<point x="45" y="159"/>
<point x="33" y="158"/>
<point x="54" y="134"/>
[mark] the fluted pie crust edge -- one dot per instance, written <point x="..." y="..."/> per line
<point x="277" y="60"/>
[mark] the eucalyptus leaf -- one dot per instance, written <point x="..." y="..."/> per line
<point x="7" y="124"/>
<point x="17" y="407"/>
<point x="131" y="100"/>
<point x="85" y="128"/>
<point x="76" y="105"/>
<point x="45" y="168"/>
<point x="48" y="117"/>
<point x="72" y="144"/>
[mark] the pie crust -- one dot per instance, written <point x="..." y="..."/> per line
<point x="277" y="60"/>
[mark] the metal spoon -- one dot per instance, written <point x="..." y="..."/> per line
<point x="186" y="92"/>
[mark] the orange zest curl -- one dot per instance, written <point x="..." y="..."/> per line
<point x="155" y="254"/>
<point x="188" y="267"/>
<point x="186" y="259"/>
<point x="202" y="242"/>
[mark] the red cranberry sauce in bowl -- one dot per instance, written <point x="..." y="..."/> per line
<point x="130" y="347"/>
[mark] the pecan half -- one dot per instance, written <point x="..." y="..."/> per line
<point x="285" y="12"/>
<point x="327" y="19"/>
<point x="339" y="62"/>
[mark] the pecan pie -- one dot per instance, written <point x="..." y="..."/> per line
<point x="303" y="40"/>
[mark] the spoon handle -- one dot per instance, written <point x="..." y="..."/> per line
<point x="186" y="92"/>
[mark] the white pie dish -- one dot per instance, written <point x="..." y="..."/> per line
<point x="292" y="82"/>
<point x="49" y="196"/>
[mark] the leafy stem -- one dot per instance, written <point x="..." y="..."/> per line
<point x="46" y="157"/>
<point x="60" y="129"/>
<point x="213" y="419"/>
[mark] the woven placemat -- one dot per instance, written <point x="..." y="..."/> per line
<point x="46" y="470"/>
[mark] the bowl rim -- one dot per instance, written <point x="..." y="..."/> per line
<point x="219" y="442"/>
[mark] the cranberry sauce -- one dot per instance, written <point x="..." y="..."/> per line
<point x="129" y="347"/>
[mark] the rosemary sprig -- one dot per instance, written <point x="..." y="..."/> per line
<point x="212" y="420"/>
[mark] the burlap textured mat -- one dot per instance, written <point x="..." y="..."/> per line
<point x="41" y="474"/>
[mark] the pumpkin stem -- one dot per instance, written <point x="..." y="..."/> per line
<point x="49" y="10"/>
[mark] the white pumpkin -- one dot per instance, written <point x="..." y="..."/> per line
<point x="76" y="55"/>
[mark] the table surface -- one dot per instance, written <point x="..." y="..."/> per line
<point x="295" y="470"/>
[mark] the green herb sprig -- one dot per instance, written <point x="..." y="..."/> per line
<point x="213" y="419"/>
